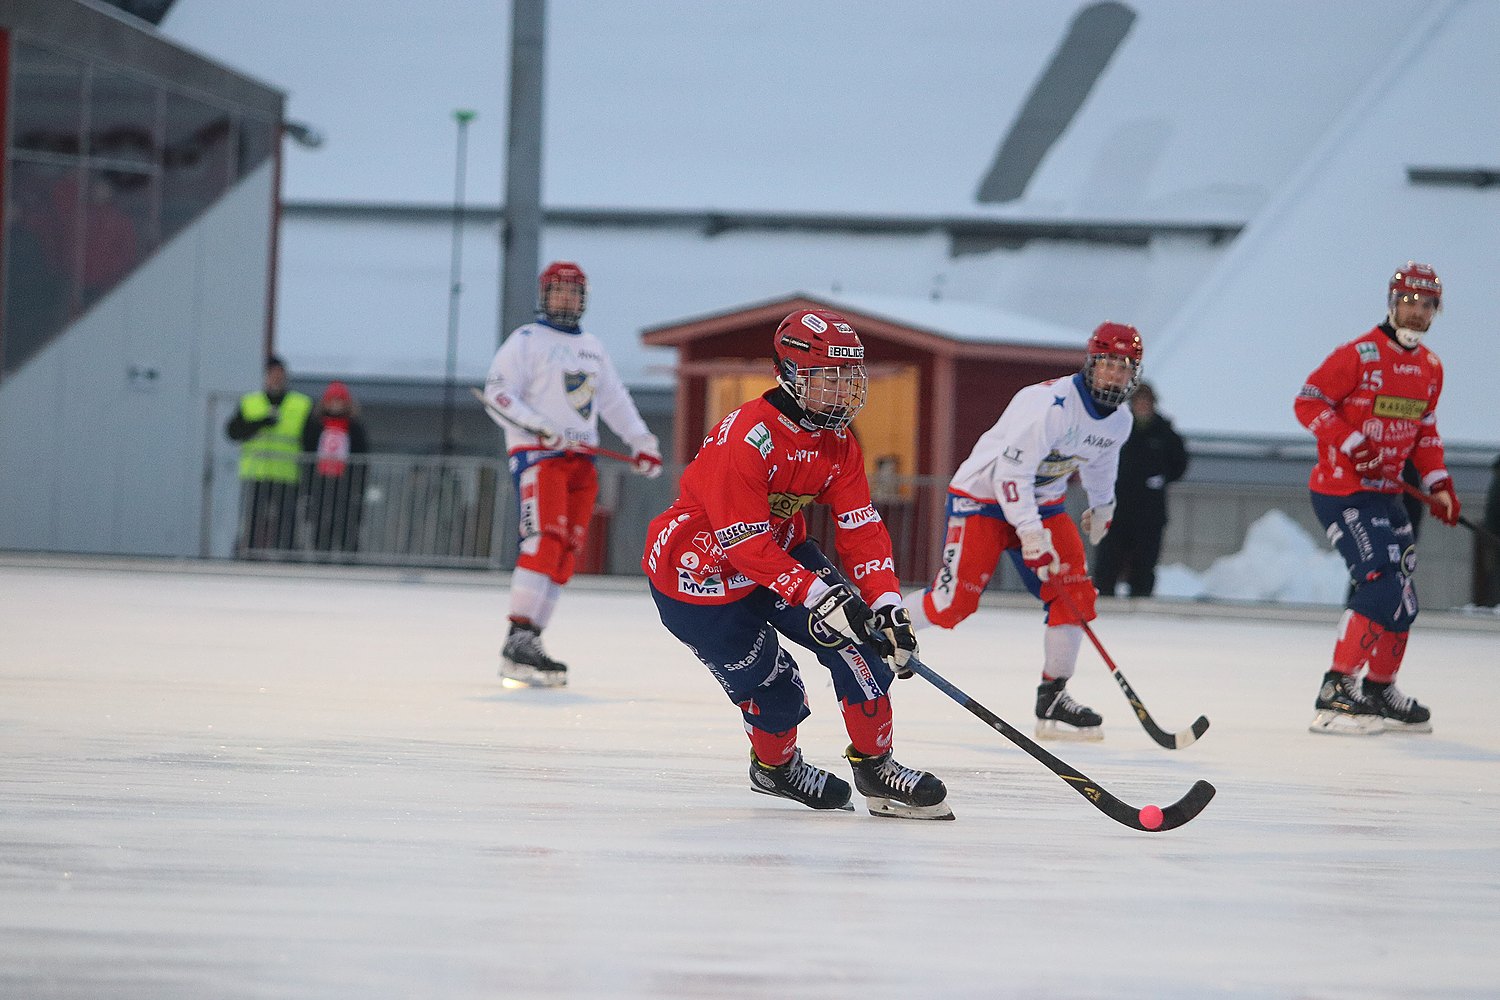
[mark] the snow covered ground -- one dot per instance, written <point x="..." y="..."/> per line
<point x="257" y="782"/>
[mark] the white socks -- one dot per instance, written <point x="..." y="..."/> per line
<point x="1061" y="644"/>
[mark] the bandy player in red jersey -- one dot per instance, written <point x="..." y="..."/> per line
<point x="1372" y="404"/>
<point x="730" y="566"/>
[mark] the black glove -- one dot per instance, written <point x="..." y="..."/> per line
<point x="844" y="613"/>
<point x="894" y="622"/>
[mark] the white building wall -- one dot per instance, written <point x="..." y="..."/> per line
<point x="105" y="429"/>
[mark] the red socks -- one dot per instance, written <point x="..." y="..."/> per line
<point x="1362" y="642"/>
<point x="869" y="725"/>
<point x="772" y="749"/>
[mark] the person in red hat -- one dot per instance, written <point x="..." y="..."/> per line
<point x="335" y="486"/>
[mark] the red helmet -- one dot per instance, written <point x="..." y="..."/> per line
<point x="1415" y="279"/>
<point x="821" y="364"/>
<point x="1114" y="342"/>
<point x="566" y="274"/>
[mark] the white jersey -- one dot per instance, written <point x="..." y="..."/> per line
<point x="1049" y="431"/>
<point x="563" y="381"/>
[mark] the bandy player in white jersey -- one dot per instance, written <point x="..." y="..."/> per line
<point x="1008" y="496"/>
<point x="550" y="382"/>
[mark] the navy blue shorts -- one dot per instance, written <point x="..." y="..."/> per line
<point x="738" y="643"/>
<point x="1373" y="534"/>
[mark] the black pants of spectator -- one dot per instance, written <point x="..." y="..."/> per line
<point x="335" y="505"/>
<point x="1486" y="573"/>
<point x="268" y="512"/>
<point x="1131" y="549"/>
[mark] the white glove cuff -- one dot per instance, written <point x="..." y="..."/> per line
<point x="815" y="593"/>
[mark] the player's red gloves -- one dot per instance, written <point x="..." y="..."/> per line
<point x="1366" y="458"/>
<point x="1444" y="502"/>
<point x="647" y="463"/>
<point x="1037" y="552"/>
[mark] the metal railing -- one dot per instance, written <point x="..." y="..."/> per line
<point x="392" y="510"/>
<point x="460" y="512"/>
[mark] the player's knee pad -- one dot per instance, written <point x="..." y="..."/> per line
<point x="548" y="554"/>
<point x="949" y="605"/>
<point x="780" y="703"/>
<point x="1386" y="598"/>
<point x="1081" y="608"/>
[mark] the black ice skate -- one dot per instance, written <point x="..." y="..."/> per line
<point x="901" y="792"/>
<point x="524" y="661"/>
<point x="1059" y="717"/>
<point x="1344" y="710"/>
<point x="801" y="782"/>
<point x="1399" y="712"/>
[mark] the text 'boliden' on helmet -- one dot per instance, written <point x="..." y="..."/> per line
<point x="821" y="365"/>
<point x="1113" y="369"/>
<point x="1413" y="281"/>
<point x="565" y="307"/>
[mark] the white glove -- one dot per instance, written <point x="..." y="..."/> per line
<point x="1096" y="521"/>
<point x="1037" y="552"/>
<point x="647" y="463"/>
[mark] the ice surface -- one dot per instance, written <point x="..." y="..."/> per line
<point x="258" y="783"/>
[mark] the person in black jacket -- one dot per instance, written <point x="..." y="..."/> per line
<point x="1486" y="553"/>
<point x="1152" y="457"/>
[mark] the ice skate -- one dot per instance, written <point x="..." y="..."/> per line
<point x="1399" y="713"/>
<point x="801" y="782"/>
<point x="1059" y="717"/>
<point x="901" y="792"/>
<point x="523" y="661"/>
<point x="1344" y="710"/>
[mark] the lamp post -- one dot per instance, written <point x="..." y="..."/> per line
<point x="455" y="281"/>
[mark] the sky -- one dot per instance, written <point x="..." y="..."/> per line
<point x="264" y="781"/>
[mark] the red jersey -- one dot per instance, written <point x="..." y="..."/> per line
<point x="739" y="512"/>
<point x="1389" y="394"/>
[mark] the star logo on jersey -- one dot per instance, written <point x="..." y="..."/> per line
<point x="1059" y="400"/>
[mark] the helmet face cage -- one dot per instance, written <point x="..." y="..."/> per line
<point x="830" y="395"/>
<point x="564" y="276"/>
<point x="820" y="364"/>
<point x="1112" y="395"/>
<point x="1117" y="345"/>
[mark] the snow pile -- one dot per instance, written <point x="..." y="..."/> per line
<point x="1279" y="562"/>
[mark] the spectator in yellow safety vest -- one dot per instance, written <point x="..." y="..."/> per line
<point x="268" y="424"/>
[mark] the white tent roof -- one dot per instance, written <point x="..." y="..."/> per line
<point x="961" y="320"/>
<point x="1298" y="119"/>
<point x="1310" y="271"/>
<point x="861" y="107"/>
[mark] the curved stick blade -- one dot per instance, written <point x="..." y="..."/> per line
<point x="1173" y="816"/>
